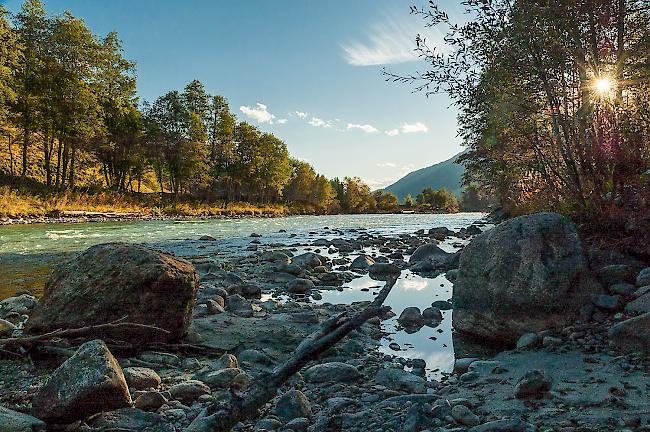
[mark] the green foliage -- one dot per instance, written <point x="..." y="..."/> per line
<point x="385" y="201"/>
<point x="473" y="200"/>
<point x="440" y="200"/>
<point x="409" y="201"/>
<point x="542" y="131"/>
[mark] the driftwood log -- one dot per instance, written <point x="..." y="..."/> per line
<point x="81" y="332"/>
<point x="221" y="417"/>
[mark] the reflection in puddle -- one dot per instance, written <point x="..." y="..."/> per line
<point x="434" y="345"/>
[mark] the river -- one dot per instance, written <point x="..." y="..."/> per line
<point x="28" y="252"/>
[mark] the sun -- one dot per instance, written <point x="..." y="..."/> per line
<point x="604" y="85"/>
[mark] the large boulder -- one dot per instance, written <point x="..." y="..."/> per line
<point x="116" y="281"/>
<point x="89" y="382"/>
<point x="525" y="275"/>
<point x="632" y="335"/>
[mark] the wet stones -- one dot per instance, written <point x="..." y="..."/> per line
<point x="300" y="286"/>
<point x="362" y="262"/>
<point x="89" y="382"/>
<point x="383" y="271"/>
<point x="411" y="317"/>
<point x="533" y="385"/>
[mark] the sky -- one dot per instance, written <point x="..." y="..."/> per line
<point x="307" y="71"/>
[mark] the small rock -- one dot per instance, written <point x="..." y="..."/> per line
<point x="300" y="286"/>
<point x="362" y="262"/>
<point x="332" y="372"/>
<point x="528" y="341"/>
<point x="189" y="391"/>
<point x="291" y="405"/>
<point x="610" y="303"/>
<point x="401" y="380"/>
<point x="411" y="317"/>
<point x="464" y="416"/>
<point x="150" y="401"/>
<point x="141" y="378"/>
<point x="534" y="384"/>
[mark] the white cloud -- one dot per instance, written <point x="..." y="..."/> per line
<point x="365" y="127"/>
<point x="315" y="121"/>
<point x="380" y="183"/>
<point x="392" y="132"/>
<point x="282" y="121"/>
<point x="391" y="41"/>
<point x="260" y="113"/>
<point x="386" y="165"/>
<point x="300" y="114"/>
<point x="414" y="128"/>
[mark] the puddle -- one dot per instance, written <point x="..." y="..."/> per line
<point x="434" y="345"/>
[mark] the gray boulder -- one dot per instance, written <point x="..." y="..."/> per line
<point x="12" y="421"/>
<point x="632" y="335"/>
<point x="401" y="380"/>
<point x="639" y="305"/>
<point x="308" y="260"/>
<point x="643" y="278"/>
<point x="89" y="382"/>
<point x="527" y="274"/>
<point x="111" y="281"/>
<point x="331" y="372"/>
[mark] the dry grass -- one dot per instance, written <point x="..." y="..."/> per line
<point x="15" y="204"/>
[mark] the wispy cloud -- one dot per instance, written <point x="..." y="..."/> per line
<point x="259" y="113"/>
<point x="300" y="114"/>
<point x="392" y="132"/>
<point x="416" y="127"/>
<point x="386" y="165"/>
<point x="282" y="121"/>
<point x="390" y="41"/>
<point x="364" y="127"/>
<point x="318" y="122"/>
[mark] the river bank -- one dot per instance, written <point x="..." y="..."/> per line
<point x="407" y="370"/>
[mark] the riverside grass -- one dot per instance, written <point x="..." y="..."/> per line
<point x="17" y="204"/>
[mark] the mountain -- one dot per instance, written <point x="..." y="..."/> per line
<point x="445" y="174"/>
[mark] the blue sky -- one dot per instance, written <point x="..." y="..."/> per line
<point x="310" y="72"/>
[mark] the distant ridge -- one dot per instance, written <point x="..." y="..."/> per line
<point x="445" y="174"/>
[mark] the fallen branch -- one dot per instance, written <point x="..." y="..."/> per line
<point x="221" y="417"/>
<point x="77" y="332"/>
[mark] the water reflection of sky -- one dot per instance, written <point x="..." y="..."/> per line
<point x="429" y="344"/>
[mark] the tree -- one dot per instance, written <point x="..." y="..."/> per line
<point x="439" y="200"/>
<point x="10" y="55"/>
<point x="385" y="201"/>
<point x="553" y="99"/>
<point x="31" y="28"/>
<point x="409" y="201"/>
<point x="357" y="197"/>
<point x="473" y="199"/>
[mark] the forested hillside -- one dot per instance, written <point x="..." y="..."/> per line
<point x="447" y="174"/>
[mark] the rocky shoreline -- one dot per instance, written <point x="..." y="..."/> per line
<point x="576" y="359"/>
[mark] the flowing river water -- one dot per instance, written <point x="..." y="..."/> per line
<point x="28" y="252"/>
